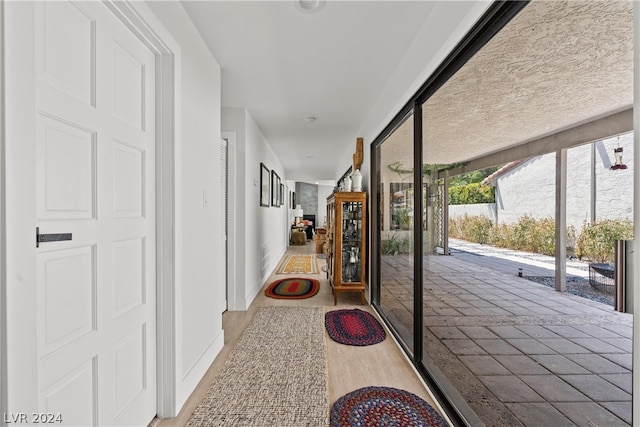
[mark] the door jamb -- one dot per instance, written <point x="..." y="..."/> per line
<point x="232" y="300"/>
<point x="3" y="270"/>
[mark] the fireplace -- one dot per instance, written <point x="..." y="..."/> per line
<point x="310" y="230"/>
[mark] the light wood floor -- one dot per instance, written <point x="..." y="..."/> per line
<point x="349" y="367"/>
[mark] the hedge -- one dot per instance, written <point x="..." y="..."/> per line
<point x="471" y="194"/>
<point x="595" y="242"/>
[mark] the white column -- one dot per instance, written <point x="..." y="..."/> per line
<point x="561" y="220"/>
<point x="445" y="215"/>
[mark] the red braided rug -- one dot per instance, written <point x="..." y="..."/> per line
<point x="383" y="406"/>
<point x="353" y="327"/>
<point x="293" y="288"/>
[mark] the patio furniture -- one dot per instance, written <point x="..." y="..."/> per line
<point x="601" y="276"/>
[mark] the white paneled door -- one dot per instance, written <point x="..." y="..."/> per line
<point x="95" y="179"/>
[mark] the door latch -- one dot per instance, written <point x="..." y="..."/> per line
<point x="41" y="238"/>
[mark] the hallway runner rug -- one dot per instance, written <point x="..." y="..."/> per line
<point x="293" y="288"/>
<point x="378" y="406"/>
<point x="299" y="264"/>
<point x="354" y="327"/>
<point x="275" y="376"/>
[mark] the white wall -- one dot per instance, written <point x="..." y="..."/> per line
<point x="579" y="198"/>
<point x="199" y="294"/>
<point x="530" y="187"/>
<point x="614" y="188"/>
<point x="265" y="229"/>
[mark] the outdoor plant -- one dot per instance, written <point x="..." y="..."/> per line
<point x="500" y="235"/>
<point x="596" y="241"/>
<point x="404" y="219"/>
<point x="474" y="228"/>
<point x="527" y="234"/>
<point x="471" y="194"/>
<point x="536" y="235"/>
<point x="396" y="244"/>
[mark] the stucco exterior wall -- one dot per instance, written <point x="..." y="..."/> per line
<point x="614" y="189"/>
<point x="579" y="197"/>
<point x="529" y="189"/>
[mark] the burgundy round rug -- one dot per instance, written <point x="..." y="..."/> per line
<point x="293" y="288"/>
<point x="353" y="327"/>
<point x="383" y="406"/>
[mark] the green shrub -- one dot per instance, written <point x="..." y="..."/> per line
<point x="527" y="234"/>
<point x="500" y="235"/>
<point x="471" y="194"/>
<point x="596" y="241"/>
<point x="396" y="245"/>
<point x="535" y="235"/>
<point x="471" y="228"/>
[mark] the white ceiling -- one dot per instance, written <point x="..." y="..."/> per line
<point x="284" y="65"/>
<point x="556" y="64"/>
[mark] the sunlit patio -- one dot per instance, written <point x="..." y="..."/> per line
<point x="518" y="352"/>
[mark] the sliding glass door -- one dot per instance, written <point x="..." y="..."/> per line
<point x="484" y="259"/>
<point x="395" y="230"/>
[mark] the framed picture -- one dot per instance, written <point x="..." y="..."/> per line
<point x="264" y="185"/>
<point x="293" y="200"/>
<point x="275" y="189"/>
<point x="281" y="194"/>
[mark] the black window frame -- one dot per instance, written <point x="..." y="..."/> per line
<point x="492" y="21"/>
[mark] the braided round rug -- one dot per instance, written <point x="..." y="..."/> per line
<point x="383" y="406"/>
<point x="293" y="288"/>
<point x="353" y="327"/>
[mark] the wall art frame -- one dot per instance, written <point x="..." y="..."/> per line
<point x="264" y="185"/>
<point x="275" y="189"/>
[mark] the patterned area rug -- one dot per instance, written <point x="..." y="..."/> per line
<point x="383" y="406"/>
<point x="275" y="376"/>
<point x="299" y="264"/>
<point x="354" y="327"/>
<point x="293" y="288"/>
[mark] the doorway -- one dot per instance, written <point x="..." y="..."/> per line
<point x="228" y="188"/>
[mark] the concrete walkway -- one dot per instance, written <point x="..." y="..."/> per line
<point x="517" y="352"/>
<point x="509" y="261"/>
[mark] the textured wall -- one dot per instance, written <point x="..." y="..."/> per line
<point x="530" y="187"/>
<point x="527" y="189"/>
<point x="307" y="196"/>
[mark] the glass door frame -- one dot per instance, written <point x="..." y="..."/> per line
<point x="493" y="20"/>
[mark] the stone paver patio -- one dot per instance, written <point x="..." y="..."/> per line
<point x="519" y="353"/>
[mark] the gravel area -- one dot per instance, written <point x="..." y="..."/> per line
<point x="577" y="286"/>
